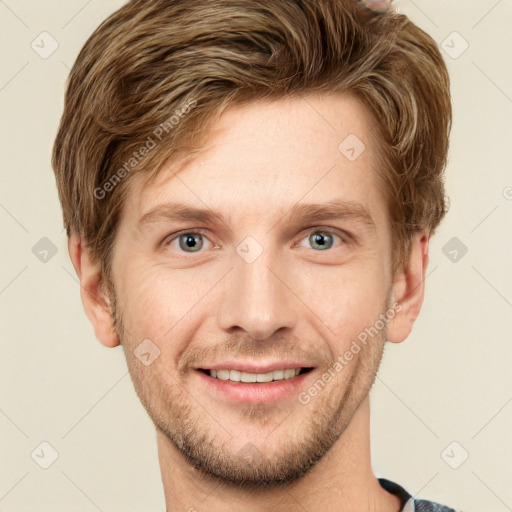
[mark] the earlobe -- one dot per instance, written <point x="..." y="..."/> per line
<point x="409" y="289"/>
<point x="96" y="303"/>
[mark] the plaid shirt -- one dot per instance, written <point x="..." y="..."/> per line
<point x="409" y="504"/>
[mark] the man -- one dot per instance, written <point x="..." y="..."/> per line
<point x="249" y="189"/>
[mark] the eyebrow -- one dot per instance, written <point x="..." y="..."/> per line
<point x="332" y="210"/>
<point x="299" y="213"/>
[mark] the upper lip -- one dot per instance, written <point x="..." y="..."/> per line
<point x="254" y="367"/>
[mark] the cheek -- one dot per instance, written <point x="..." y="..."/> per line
<point x="345" y="300"/>
<point x="158" y="302"/>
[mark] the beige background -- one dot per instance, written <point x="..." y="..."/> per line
<point x="449" y="382"/>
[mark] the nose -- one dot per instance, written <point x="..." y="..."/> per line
<point x="257" y="298"/>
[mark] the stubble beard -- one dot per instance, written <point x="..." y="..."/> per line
<point x="195" y="433"/>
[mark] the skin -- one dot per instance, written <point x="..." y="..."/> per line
<point x="294" y="300"/>
<point x="379" y="6"/>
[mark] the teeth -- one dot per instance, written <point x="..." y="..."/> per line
<point x="238" y="376"/>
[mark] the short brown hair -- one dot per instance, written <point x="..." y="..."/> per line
<point x="155" y="60"/>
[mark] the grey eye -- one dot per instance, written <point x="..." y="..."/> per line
<point x="188" y="241"/>
<point x="322" y="239"/>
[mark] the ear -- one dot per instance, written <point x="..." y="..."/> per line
<point x="95" y="301"/>
<point x="408" y="289"/>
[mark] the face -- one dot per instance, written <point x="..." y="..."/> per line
<point x="260" y="280"/>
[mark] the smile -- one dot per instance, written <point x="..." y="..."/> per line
<point x="246" y="387"/>
<point x="248" y="377"/>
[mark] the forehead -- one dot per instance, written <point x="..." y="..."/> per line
<point x="266" y="156"/>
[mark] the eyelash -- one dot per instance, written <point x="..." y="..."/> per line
<point x="344" y="237"/>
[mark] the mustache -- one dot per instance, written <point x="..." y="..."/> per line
<point x="277" y="347"/>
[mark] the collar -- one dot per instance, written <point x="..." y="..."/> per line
<point x="397" y="490"/>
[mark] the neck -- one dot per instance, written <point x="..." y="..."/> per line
<point x="342" y="481"/>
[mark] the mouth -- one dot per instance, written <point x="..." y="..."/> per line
<point x="255" y="378"/>
<point x="236" y="386"/>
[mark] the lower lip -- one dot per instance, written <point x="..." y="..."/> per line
<point x="255" y="392"/>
